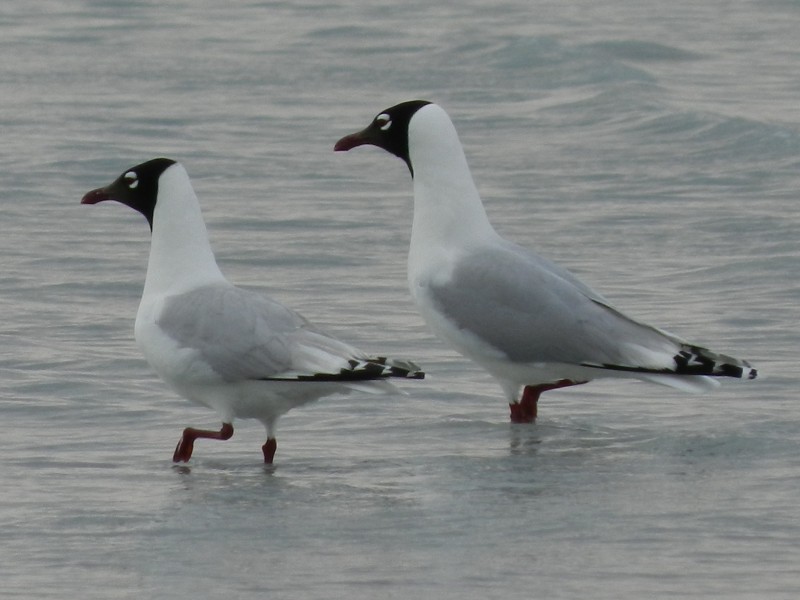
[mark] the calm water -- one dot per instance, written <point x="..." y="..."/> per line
<point x="652" y="147"/>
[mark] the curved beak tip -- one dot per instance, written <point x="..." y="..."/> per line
<point x="349" y="142"/>
<point x="341" y="145"/>
<point x="95" y="196"/>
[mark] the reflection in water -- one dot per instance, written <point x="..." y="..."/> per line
<point x="524" y="439"/>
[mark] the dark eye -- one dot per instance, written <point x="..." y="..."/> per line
<point x="132" y="179"/>
<point x="383" y="121"/>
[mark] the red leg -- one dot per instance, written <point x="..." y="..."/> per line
<point x="269" y="450"/>
<point x="183" y="452"/>
<point x="526" y="409"/>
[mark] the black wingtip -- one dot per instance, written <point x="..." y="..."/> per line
<point x="693" y="361"/>
<point x="371" y="369"/>
<point x="400" y="368"/>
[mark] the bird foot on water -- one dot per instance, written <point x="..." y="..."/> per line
<point x="522" y="413"/>
<point x="183" y="452"/>
<point x="269" y="450"/>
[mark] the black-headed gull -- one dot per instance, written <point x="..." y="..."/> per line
<point x="528" y="322"/>
<point x="234" y="351"/>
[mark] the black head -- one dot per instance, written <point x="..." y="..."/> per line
<point x="389" y="130"/>
<point x="137" y="187"/>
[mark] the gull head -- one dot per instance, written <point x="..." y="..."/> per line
<point x="136" y="187"/>
<point x="388" y="130"/>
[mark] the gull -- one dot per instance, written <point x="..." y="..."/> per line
<point x="530" y="323"/>
<point x="234" y="351"/>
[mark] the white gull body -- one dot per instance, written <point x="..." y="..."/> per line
<point x="234" y="351"/>
<point x="530" y="323"/>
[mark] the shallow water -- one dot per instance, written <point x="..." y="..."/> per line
<point x="653" y="148"/>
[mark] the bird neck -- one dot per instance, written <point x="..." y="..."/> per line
<point x="180" y="252"/>
<point x="448" y="212"/>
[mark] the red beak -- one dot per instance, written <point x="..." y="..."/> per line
<point x="349" y="142"/>
<point x="96" y="196"/>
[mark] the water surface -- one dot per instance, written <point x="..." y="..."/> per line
<point x="651" y="147"/>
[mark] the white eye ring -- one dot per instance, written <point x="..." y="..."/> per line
<point x="133" y="179"/>
<point x="386" y="119"/>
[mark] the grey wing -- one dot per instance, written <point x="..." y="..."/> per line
<point x="243" y="335"/>
<point x="534" y="311"/>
